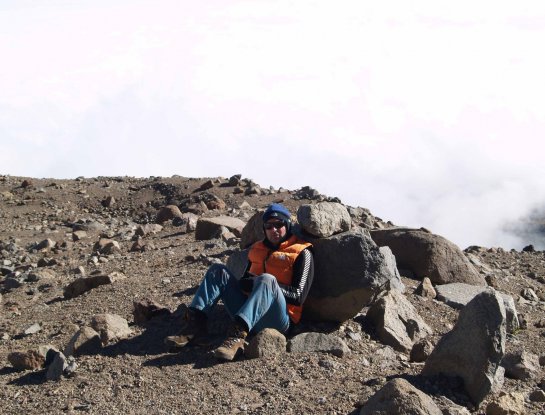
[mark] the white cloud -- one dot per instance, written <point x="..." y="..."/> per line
<point x="429" y="112"/>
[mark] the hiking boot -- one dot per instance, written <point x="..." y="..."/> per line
<point x="193" y="331"/>
<point x="233" y="343"/>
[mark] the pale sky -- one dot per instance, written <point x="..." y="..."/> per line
<point x="429" y="113"/>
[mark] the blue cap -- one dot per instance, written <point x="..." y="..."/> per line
<point x="278" y="211"/>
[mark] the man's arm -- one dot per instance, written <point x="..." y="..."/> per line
<point x="303" y="275"/>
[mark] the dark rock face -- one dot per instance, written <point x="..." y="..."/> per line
<point x="350" y="270"/>
<point x="428" y="255"/>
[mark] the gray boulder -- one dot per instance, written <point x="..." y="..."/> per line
<point x="428" y="255"/>
<point x="350" y="271"/>
<point x="210" y="228"/>
<point x="457" y="295"/>
<point x="397" y="322"/>
<point x="474" y="348"/>
<point x="399" y="397"/>
<point x="318" y="342"/>
<point x="324" y="219"/>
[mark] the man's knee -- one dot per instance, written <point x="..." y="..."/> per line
<point x="268" y="280"/>
<point x="218" y="271"/>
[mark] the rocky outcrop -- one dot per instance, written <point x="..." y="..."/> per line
<point x="428" y="255"/>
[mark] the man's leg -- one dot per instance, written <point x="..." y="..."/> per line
<point x="217" y="283"/>
<point x="264" y="308"/>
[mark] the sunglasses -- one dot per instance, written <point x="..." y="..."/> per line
<point x="275" y="225"/>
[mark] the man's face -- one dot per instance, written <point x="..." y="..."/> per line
<point x="275" y="230"/>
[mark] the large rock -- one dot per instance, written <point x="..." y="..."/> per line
<point x="397" y="322"/>
<point x="111" y="327"/>
<point x="399" y="397"/>
<point x="458" y="294"/>
<point x="209" y="228"/>
<point x="428" y="255"/>
<point x="350" y="271"/>
<point x="474" y="348"/>
<point x="324" y="219"/>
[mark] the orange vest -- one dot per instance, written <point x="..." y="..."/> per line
<point x="278" y="263"/>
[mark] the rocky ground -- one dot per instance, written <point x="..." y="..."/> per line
<point x="137" y="374"/>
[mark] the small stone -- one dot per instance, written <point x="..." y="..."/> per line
<point x="84" y="284"/>
<point x="108" y="202"/>
<point x="425" y="289"/>
<point x="106" y="246"/>
<point x="147" y="309"/>
<point x="46" y="244"/>
<point x="57" y="367"/>
<point x="111" y="327"/>
<point x="84" y="341"/>
<point x="35" y="328"/>
<point x="268" y="343"/>
<point x="78" y="235"/>
<point x="537" y="396"/>
<point x="29" y="360"/>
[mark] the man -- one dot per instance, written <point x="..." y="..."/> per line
<point x="270" y="294"/>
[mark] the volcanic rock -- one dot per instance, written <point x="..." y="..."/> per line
<point x="350" y="271"/>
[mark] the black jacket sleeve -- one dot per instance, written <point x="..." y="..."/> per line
<point x="303" y="275"/>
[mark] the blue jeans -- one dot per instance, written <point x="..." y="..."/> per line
<point x="264" y="307"/>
